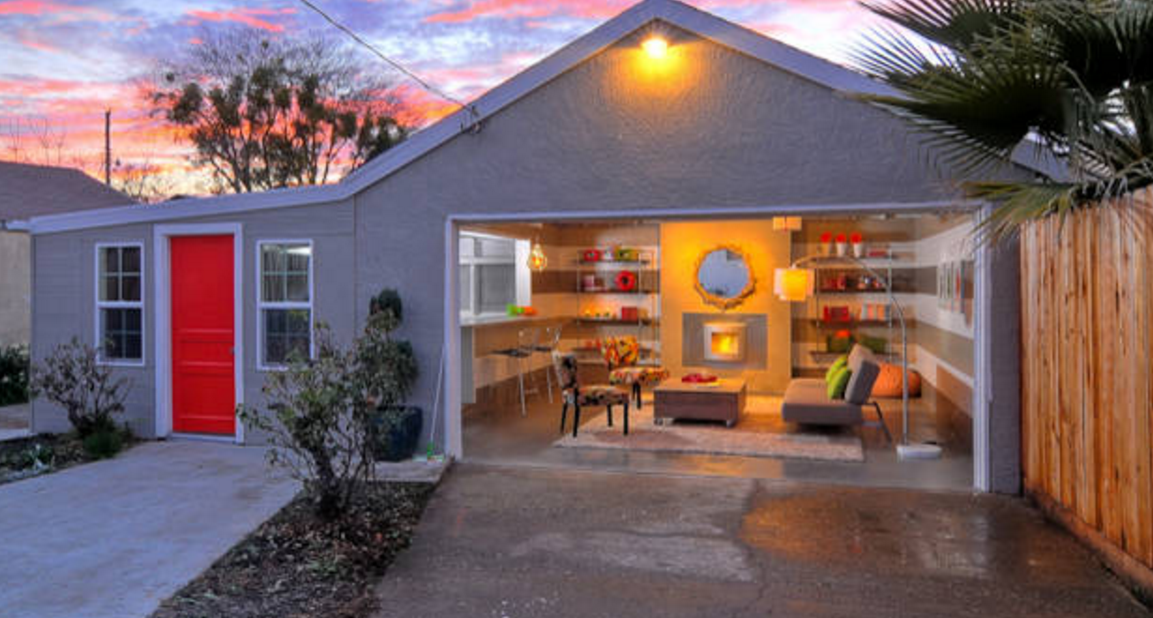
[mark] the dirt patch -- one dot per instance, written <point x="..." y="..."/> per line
<point x="298" y="566"/>
<point x="21" y="458"/>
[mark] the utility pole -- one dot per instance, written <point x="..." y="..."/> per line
<point x="108" y="147"/>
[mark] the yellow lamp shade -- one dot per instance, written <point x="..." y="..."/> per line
<point x="793" y="284"/>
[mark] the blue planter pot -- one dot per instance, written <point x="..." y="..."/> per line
<point x="398" y="440"/>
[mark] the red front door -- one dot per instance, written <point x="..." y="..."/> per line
<point x="203" y="376"/>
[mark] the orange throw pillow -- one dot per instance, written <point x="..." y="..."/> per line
<point x="888" y="384"/>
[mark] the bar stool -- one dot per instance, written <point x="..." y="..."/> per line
<point x="526" y="344"/>
<point x="547" y="345"/>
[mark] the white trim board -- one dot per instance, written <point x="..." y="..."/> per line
<point x="677" y="14"/>
<point x="162" y="297"/>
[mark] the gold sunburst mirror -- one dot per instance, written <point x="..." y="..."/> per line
<point x="724" y="277"/>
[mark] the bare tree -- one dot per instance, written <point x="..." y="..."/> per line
<point x="35" y="140"/>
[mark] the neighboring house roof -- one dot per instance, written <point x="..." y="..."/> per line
<point x="680" y="15"/>
<point x="28" y="191"/>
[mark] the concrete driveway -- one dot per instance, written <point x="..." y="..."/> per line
<point x="113" y="539"/>
<point x="518" y="542"/>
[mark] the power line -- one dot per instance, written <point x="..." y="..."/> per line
<point x="394" y="64"/>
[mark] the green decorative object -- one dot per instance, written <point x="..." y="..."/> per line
<point x="837" y="364"/>
<point x="877" y="345"/>
<point x="624" y="254"/>
<point x="839" y="345"/>
<point x="839" y="383"/>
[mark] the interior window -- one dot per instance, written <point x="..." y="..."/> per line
<point x="285" y="303"/>
<point x="488" y="274"/>
<point x="120" y="303"/>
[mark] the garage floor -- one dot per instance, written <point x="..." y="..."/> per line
<point x="519" y="543"/>
<point x="498" y="434"/>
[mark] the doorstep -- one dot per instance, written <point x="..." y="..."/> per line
<point x="421" y="470"/>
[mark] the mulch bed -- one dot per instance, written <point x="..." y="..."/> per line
<point x="296" y="565"/>
<point x="56" y="452"/>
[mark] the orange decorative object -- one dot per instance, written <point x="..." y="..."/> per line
<point x="889" y="382"/>
<point x="793" y="284"/>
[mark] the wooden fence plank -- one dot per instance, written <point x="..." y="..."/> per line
<point x="1087" y="370"/>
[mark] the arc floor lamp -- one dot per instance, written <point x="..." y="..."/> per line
<point x="796" y="284"/>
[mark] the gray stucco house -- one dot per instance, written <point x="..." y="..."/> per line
<point x="730" y="125"/>
<point x="28" y="191"/>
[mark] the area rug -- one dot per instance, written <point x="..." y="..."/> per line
<point x="760" y="433"/>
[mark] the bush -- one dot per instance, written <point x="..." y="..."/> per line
<point x="319" y="411"/>
<point x="72" y="378"/>
<point x="13" y="375"/>
<point x="104" y="444"/>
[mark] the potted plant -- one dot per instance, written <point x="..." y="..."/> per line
<point x="394" y="428"/>
<point x="842" y="245"/>
<point x="858" y="244"/>
<point x="827" y="244"/>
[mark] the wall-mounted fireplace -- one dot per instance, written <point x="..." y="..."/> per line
<point x="725" y="341"/>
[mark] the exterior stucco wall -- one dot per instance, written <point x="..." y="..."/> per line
<point x="65" y="294"/>
<point x="15" y="288"/>
<point x="711" y="129"/>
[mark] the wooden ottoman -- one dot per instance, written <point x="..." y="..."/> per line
<point x="723" y="400"/>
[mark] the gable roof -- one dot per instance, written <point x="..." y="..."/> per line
<point x="28" y="191"/>
<point x="678" y="14"/>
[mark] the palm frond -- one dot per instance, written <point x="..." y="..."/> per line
<point x="956" y="24"/>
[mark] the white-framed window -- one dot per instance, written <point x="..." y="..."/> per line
<point x="120" y="303"/>
<point x="490" y="274"/>
<point x="284" y="301"/>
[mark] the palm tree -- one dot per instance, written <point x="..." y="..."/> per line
<point x="1072" y="79"/>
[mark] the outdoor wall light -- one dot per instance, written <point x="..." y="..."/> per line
<point x="656" y="47"/>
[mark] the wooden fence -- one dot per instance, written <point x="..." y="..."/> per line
<point x="1087" y="388"/>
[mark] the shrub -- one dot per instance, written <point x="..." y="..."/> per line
<point x="13" y="374"/>
<point x="319" y="410"/>
<point x="72" y="378"/>
<point x="104" y="444"/>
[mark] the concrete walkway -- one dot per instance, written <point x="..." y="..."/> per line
<point x="517" y="542"/>
<point x="15" y="421"/>
<point x="112" y="539"/>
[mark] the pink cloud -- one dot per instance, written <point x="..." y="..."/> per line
<point x="512" y="9"/>
<point x="254" y="18"/>
<point x="31" y="7"/>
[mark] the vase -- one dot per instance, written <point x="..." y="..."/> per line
<point x="395" y="438"/>
<point x="842" y="249"/>
<point x="859" y="250"/>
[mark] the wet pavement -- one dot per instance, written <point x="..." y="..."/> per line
<point x="516" y="542"/>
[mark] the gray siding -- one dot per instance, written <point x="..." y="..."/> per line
<point x="15" y="288"/>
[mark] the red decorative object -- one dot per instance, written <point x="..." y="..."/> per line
<point x="841" y="238"/>
<point x="630" y="314"/>
<point x="591" y="255"/>
<point x="855" y="238"/>
<point x="837" y="313"/>
<point x="827" y="237"/>
<point x="626" y="281"/>
<point x="699" y="378"/>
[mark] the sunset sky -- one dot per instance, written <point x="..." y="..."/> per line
<point x="62" y="62"/>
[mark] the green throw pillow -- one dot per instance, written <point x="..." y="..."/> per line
<point x="839" y="383"/>
<point x="837" y="364"/>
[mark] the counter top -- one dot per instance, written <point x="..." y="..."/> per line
<point x="494" y="320"/>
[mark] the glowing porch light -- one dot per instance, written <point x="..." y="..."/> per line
<point x="793" y="285"/>
<point x="656" y="47"/>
